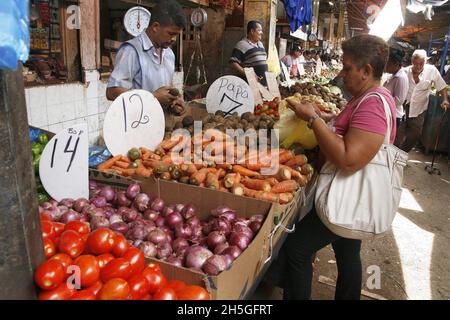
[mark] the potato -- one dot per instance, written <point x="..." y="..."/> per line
<point x="244" y="122"/>
<point x="178" y="125"/>
<point x="220" y="113"/>
<point x="188" y="121"/>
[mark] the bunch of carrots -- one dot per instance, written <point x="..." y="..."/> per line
<point x="243" y="179"/>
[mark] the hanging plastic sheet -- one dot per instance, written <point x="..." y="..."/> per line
<point x="299" y="12"/>
<point x="14" y="33"/>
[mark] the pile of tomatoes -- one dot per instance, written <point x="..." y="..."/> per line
<point x="269" y="108"/>
<point x="101" y="265"/>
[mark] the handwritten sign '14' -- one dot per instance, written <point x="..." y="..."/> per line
<point x="230" y="94"/>
<point x="135" y="119"/>
<point x="64" y="164"/>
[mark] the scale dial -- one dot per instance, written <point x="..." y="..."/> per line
<point x="136" y="20"/>
<point x="199" y="17"/>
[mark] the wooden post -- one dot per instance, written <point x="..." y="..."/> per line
<point x="21" y="248"/>
<point x="90" y="34"/>
<point x="264" y="11"/>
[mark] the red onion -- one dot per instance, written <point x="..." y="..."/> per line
<point x="239" y="228"/>
<point x="164" y="250"/>
<point x="133" y="190"/>
<point x="175" y="260"/>
<point x="70" y="215"/>
<point x="170" y="236"/>
<point x="80" y="204"/>
<point x="197" y="256"/>
<point x="182" y="252"/>
<point x="137" y="233"/>
<point x="167" y="210"/>
<point x="141" y="202"/>
<point x="207" y="227"/>
<point x="193" y="221"/>
<point x="228" y="261"/>
<point x="89" y="210"/>
<point x="221" y="210"/>
<point x="148" y="248"/>
<point x="136" y="223"/>
<point x="179" y="207"/>
<point x="148" y="227"/>
<point x="135" y="243"/>
<point x="255" y="226"/>
<point x="241" y="240"/>
<point x="92" y="185"/>
<point x="203" y="242"/>
<point x="157" y="205"/>
<point x="120" y="227"/>
<point x="55" y="213"/>
<point x="257" y="217"/>
<point x="54" y="203"/>
<point x="97" y="212"/>
<point x="84" y="218"/>
<point x="151" y="215"/>
<point x="214" y="265"/>
<point x="62" y="209"/>
<point x="130" y="215"/>
<point x="160" y="222"/>
<point x="108" y="193"/>
<point x="222" y="224"/>
<point x="233" y="251"/>
<point x="122" y="210"/>
<point x="99" y="222"/>
<point x="109" y="211"/>
<point x="122" y="200"/>
<point x="173" y="219"/>
<point x="229" y="215"/>
<point x="215" y="238"/>
<point x="157" y="236"/>
<point x="67" y="202"/>
<point x="188" y="211"/>
<point x="179" y="243"/>
<point x="115" y="218"/>
<point x="183" y="231"/>
<point x="99" y="202"/>
<point x="242" y="220"/>
<point x="47" y="205"/>
<point x="221" y="247"/>
<point x="197" y="232"/>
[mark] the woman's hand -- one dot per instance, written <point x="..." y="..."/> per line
<point x="303" y="111"/>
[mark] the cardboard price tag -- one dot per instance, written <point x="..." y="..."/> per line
<point x="135" y="119"/>
<point x="64" y="164"/>
<point x="230" y="94"/>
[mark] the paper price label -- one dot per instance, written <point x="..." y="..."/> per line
<point x="135" y="119"/>
<point x="64" y="164"/>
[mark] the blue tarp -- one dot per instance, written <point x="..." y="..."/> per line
<point x="299" y="12"/>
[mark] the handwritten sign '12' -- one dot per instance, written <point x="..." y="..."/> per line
<point x="135" y="119"/>
<point x="230" y="94"/>
<point x="64" y="164"/>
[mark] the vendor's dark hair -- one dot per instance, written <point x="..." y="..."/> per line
<point x="367" y="49"/>
<point x="396" y="56"/>
<point x="252" y="25"/>
<point x="168" y="12"/>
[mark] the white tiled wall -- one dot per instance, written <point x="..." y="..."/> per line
<point x="57" y="107"/>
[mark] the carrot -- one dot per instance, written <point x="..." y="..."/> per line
<point x="199" y="166"/>
<point x="109" y="163"/>
<point x="286" y="198"/>
<point x="117" y="170"/>
<point x="231" y="179"/>
<point x="121" y="164"/>
<point x="160" y="151"/>
<point x="295" y="174"/>
<point x="284" y="174"/>
<point x="238" y="189"/>
<point x="260" y="195"/>
<point x="286" y="156"/>
<point x="125" y="159"/>
<point x="254" y="184"/>
<point x="169" y="144"/>
<point x="244" y="171"/>
<point x="225" y="166"/>
<point x="152" y="163"/>
<point x="285" y="186"/>
<point x="188" y="169"/>
<point x="139" y="163"/>
<point x="298" y="160"/>
<point x="302" y="180"/>
<point x="212" y="181"/>
<point x="129" y="172"/>
<point x="199" y="177"/>
<point x="167" y="159"/>
<point x="143" y="172"/>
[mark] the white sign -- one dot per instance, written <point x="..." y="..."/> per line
<point x="64" y="164"/>
<point x="272" y="84"/>
<point x="230" y="94"/>
<point x="134" y="120"/>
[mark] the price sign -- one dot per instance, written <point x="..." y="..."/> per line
<point x="230" y="94"/>
<point x="64" y="164"/>
<point x="135" y="119"/>
<point x="272" y="84"/>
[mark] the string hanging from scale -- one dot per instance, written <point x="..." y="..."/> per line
<point x="198" y="51"/>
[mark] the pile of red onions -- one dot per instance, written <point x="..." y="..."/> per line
<point x="173" y="233"/>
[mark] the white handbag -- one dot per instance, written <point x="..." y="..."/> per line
<point x="363" y="204"/>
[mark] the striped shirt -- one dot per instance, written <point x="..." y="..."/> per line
<point x="250" y="55"/>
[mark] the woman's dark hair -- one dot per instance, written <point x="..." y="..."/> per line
<point x="167" y="13"/>
<point x="396" y="56"/>
<point x="253" y="25"/>
<point x="367" y="49"/>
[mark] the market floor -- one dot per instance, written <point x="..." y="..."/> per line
<point x="414" y="258"/>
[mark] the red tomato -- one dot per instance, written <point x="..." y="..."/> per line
<point x="146" y="297"/>
<point x="165" y="293"/>
<point x="49" y="275"/>
<point x="153" y="266"/>
<point x="49" y="248"/>
<point x="65" y="260"/>
<point x="48" y="230"/>
<point x="117" y="268"/>
<point x="56" y="241"/>
<point x="80" y="227"/>
<point x="104" y="259"/>
<point x="121" y="245"/>
<point x="89" y="270"/>
<point x="95" y="288"/>
<point x="101" y="241"/>
<point x="176" y="285"/>
<point x="114" y="289"/>
<point x="136" y="259"/>
<point x="193" y="293"/>
<point x="71" y="243"/>
<point x="84" y="295"/>
<point x="45" y="216"/>
<point x="60" y="293"/>
<point x="59" y="228"/>
<point x="139" y="286"/>
<point x="155" y="279"/>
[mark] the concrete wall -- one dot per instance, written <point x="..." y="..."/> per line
<point x="57" y="107"/>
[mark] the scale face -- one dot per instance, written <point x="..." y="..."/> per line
<point x="312" y="37"/>
<point x="136" y="20"/>
<point x="199" y="17"/>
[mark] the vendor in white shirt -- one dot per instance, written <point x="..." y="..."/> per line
<point x="421" y="77"/>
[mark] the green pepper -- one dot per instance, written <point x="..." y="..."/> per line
<point x="134" y="154"/>
<point x="35" y="149"/>
<point x="43" y="139"/>
<point x="265" y="108"/>
<point x="42" y="198"/>
<point x="36" y="161"/>
<point x="133" y="165"/>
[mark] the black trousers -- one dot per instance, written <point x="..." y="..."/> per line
<point x="310" y="236"/>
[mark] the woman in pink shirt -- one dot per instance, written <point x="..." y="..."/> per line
<point x="356" y="139"/>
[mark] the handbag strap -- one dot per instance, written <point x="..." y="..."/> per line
<point x="387" y="112"/>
